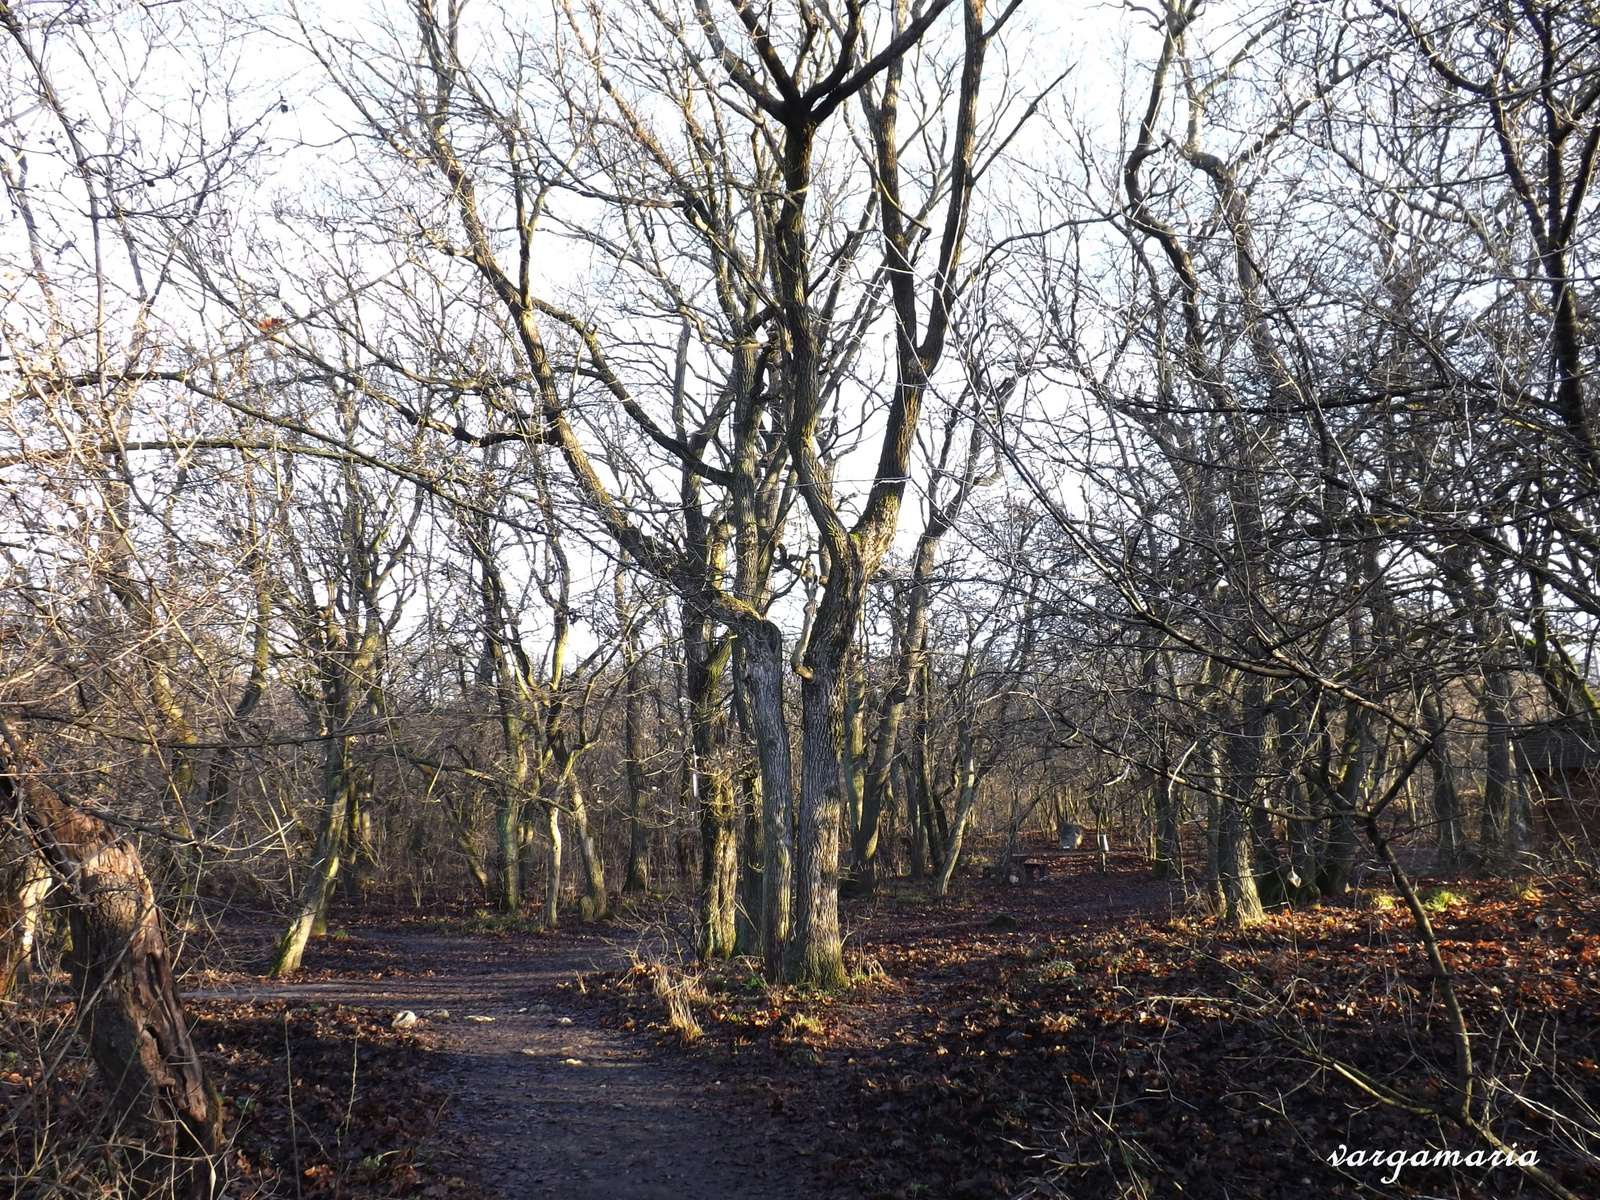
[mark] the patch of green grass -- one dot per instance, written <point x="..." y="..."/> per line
<point x="1056" y="968"/>
<point x="485" y="921"/>
<point x="1439" y="899"/>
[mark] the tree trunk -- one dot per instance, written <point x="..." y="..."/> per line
<point x="552" y="879"/>
<point x="128" y="1004"/>
<point x="818" y="952"/>
<point x="680" y="823"/>
<point x="595" y="905"/>
<point x="705" y="662"/>
<point x="913" y="652"/>
<point x="916" y="832"/>
<point x="1216" y="894"/>
<point x="338" y="788"/>
<point x="719" y="865"/>
<point x="1241" y="901"/>
<point x="967" y="798"/>
<point x="638" y="877"/>
<point x="507" y="883"/>
<point x="1446" y="801"/>
<point x="1500" y="826"/>
<point x="1169" y="851"/>
<point x="24" y="886"/>
<point x="762" y="668"/>
<point x="1339" y="859"/>
<point x="747" y="932"/>
<point x="221" y="791"/>
<point x="361" y="849"/>
<point x="854" y="749"/>
<point x="1303" y="827"/>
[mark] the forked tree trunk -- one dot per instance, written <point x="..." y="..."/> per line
<point x="128" y="1006"/>
<point x="958" y="827"/>
<point x="595" y="905"/>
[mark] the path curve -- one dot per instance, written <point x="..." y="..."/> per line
<point x="548" y="1102"/>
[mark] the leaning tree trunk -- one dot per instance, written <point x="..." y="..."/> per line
<point x="338" y="786"/>
<point x="958" y="827"/>
<point x="129" y="1010"/>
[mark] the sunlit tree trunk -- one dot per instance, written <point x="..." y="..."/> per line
<point x="338" y="793"/>
<point x="552" y="878"/>
<point x="24" y="886"/>
<point x="638" y="876"/>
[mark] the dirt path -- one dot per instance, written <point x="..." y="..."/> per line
<point x="548" y="1102"/>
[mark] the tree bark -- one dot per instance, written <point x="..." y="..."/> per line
<point x="638" y="877"/>
<point x="1169" y="851"/>
<point x="552" y="879"/>
<point x="818" y="952"/>
<point x="1446" y="801"/>
<point x="1500" y="831"/>
<point x="762" y="663"/>
<point x="338" y="792"/>
<point x="596" y="906"/>
<point x="705" y="661"/>
<point x="129" y="1010"/>
<point x="967" y="797"/>
<point x="24" y="886"/>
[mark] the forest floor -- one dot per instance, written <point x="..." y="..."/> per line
<point x="1087" y="1035"/>
<point x="530" y="1094"/>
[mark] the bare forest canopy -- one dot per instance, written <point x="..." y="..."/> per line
<point x="549" y="453"/>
